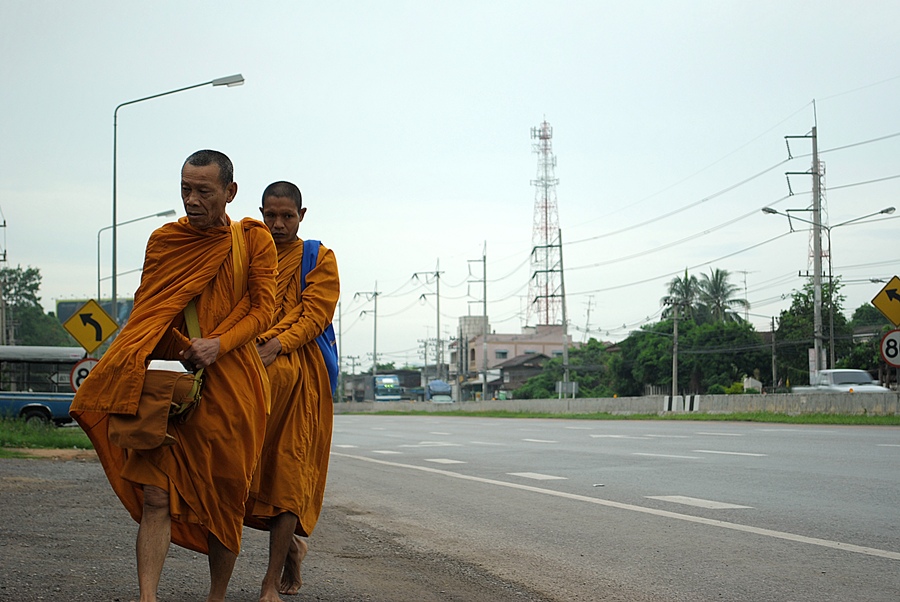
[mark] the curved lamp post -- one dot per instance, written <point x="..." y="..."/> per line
<point x="168" y="213"/>
<point x="230" y="81"/>
<point x="828" y="229"/>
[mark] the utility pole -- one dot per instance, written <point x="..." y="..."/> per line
<point x="373" y="296"/>
<point x="774" y="371"/>
<point x="817" y="249"/>
<point x="675" y="353"/>
<point x="484" y="314"/>
<point x="587" y="322"/>
<point x="439" y="354"/>
<point x="565" y="323"/>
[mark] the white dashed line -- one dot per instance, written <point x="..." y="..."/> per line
<point x="540" y="441"/>
<point x="666" y="456"/>
<point x="693" y="501"/>
<point x="345" y="446"/>
<point x="444" y="461"/>
<point x="668" y="436"/>
<point x="617" y="437"/>
<point x="723" y="434"/>
<point x="438" y="433"/>
<point x="385" y="451"/>
<point x="536" y="476"/>
<point x="430" y="444"/>
<point x="486" y="443"/>
<point x="889" y="445"/>
<point x="725" y="453"/>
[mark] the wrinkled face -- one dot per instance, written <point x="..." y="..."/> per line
<point x="204" y="197"/>
<point x="282" y="218"/>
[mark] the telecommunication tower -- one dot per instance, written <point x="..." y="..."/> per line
<point x="544" y="299"/>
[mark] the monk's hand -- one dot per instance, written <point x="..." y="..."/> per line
<point x="269" y="350"/>
<point x="202" y="352"/>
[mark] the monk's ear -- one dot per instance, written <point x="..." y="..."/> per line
<point x="231" y="192"/>
<point x="302" y="213"/>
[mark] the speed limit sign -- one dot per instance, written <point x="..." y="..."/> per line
<point x="890" y="348"/>
<point x="80" y="372"/>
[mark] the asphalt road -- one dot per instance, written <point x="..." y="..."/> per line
<point x="637" y="510"/>
<point x="433" y="508"/>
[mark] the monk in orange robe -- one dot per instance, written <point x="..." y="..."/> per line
<point x="192" y="492"/>
<point x="289" y="483"/>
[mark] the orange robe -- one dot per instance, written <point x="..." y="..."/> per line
<point x="294" y="462"/>
<point x="208" y="470"/>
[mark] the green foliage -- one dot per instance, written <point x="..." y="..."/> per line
<point x="752" y="391"/>
<point x="735" y="389"/>
<point x="709" y="299"/>
<point x="14" y="432"/>
<point x="868" y="315"/>
<point x="588" y="366"/>
<point x="23" y="309"/>
<point x="716" y="389"/>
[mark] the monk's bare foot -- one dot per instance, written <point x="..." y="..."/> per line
<point x="290" y="578"/>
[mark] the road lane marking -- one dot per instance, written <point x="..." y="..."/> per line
<point x="536" y="476"/>
<point x="693" y="501"/>
<point x="486" y="443"/>
<point x="722" y="434"/>
<point x="617" y="437"/>
<point x="580" y="428"/>
<point x="385" y="451"/>
<point x="438" y="433"/>
<point x="344" y="446"/>
<point x="726" y="453"/>
<point x="666" y="456"/>
<point x="669" y="436"/>
<point x="540" y="441"/>
<point x="430" y="444"/>
<point x="444" y="461"/>
<point x="815" y="541"/>
<point x="889" y="445"/>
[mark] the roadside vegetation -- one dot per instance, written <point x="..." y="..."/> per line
<point x="769" y="417"/>
<point x="16" y="434"/>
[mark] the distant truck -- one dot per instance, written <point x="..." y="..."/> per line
<point x="438" y="391"/>
<point x="842" y="381"/>
<point x="384" y="387"/>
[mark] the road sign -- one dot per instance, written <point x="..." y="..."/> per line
<point x="888" y="301"/>
<point x="59" y="378"/>
<point x="890" y="348"/>
<point x="90" y="326"/>
<point x="80" y="372"/>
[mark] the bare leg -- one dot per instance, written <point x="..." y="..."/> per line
<point x="221" y="565"/>
<point x="290" y="579"/>
<point x="281" y="532"/>
<point x="153" y="539"/>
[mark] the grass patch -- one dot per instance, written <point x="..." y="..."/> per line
<point x="15" y="433"/>
<point x="769" y="417"/>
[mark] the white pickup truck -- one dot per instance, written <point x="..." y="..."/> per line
<point x="842" y="381"/>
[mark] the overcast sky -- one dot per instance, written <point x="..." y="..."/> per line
<point x="407" y="127"/>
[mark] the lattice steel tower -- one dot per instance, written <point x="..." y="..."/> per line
<point x="544" y="300"/>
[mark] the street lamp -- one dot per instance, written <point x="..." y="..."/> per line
<point x="818" y="298"/>
<point x="168" y="213"/>
<point x="230" y="81"/>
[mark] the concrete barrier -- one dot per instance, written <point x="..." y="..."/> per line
<point x="871" y="404"/>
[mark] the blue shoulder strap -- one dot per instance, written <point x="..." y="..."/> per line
<point x="326" y="341"/>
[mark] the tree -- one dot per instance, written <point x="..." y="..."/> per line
<point x="683" y="292"/>
<point x="588" y="366"/>
<point x="717" y="295"/>
<point x="795" y="331"/>
<point x="30" y="325"/>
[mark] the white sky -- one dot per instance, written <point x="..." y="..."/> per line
<point x="407" y="127"/>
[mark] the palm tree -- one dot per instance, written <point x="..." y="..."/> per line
<point x="718" y="296"/>
<point x="683" y="292"/>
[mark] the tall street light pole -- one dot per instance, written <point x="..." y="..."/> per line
<point x="814" y="222"/>
<point x="230" y="81"/>
<point x="168" y="213"/>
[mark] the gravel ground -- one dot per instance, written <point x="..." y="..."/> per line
<point x="65" y="536"/>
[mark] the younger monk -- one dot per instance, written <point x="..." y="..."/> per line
<point x="289" y="483"/>
<point x="193" y="491"/>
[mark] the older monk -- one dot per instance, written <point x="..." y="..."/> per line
<point x="193" y="491"/>
<point x="289" y="484"/>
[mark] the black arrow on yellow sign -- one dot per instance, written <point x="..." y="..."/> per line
<point x="892" y="294"/>
<point x="89" y="319"/>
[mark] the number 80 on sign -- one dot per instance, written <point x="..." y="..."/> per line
<point x="890" y="348"/>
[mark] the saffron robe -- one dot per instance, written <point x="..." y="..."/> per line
<point x="207" y="472"/>
<point x="294" y="463"/>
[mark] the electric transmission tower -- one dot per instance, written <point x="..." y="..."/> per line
<point x="545" y="302"/>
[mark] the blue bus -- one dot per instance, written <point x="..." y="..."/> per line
<point x="387" y="387"/>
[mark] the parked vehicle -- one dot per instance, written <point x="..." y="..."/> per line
<point x="35" y="382"/>
<point x="438" y="391"/>
<point x="384" y="387"/>
<point x="842" y="381"/>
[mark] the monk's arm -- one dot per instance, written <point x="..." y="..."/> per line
<point x="260" y="298"/>
<point x="309" y="318"/>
